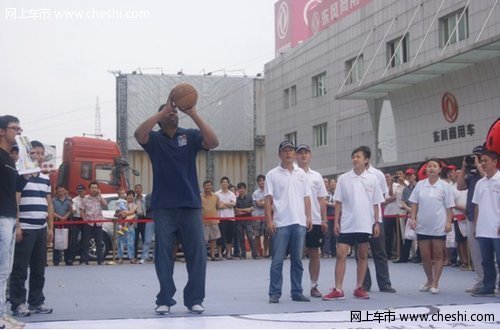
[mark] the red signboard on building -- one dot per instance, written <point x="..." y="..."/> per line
<point x="329" y="12"/>
<point x="290" y="22"/>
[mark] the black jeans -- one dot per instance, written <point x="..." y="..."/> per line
<point x="377" y="246"/>
<point x="246" y="227"/>
<point x="30" y="252"/>
<point x="390" y="233"/>
<point x="88" y="232"/>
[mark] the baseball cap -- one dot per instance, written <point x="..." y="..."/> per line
<point x="451" y="167"/>
<point x="410" y="171"/>
<point x="302" y="147"/>
<point x="286" y="144"/>
<point x="80" y="187"/>
<point x="478" y="150"/>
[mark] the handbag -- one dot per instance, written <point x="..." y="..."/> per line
<point x="60" y="238"/>
<point x="410" y="233"/>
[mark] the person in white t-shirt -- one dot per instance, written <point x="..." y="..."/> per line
<point x="227" y="202"/>
<point x="357" y="197"/>
<point x="314" y="238"/>
<point x="287" y="207"/>
<point x="487" y="217"/>
<point x="431" y="214"/>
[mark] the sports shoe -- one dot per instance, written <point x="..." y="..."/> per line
<point x="141" y="261"/>
<point x="315" y="292"/>
<point x="11" y="323"/>
<point x="196" y="309"/>
<point x="41" y="309"/>
<point x="434" y="290"/>
<point x="472" y="289"/>
<point x="274" y="299"/>
<point x="21" y="310"/>
<point x="425" y="288"/>
<point x="388" y="289"/>
<point x="334" y="294"/>
<point x="361" y="293"/>
<point x="162" y="309"/>
<point x="483" y="293"/>
<point x="300" y="297"/>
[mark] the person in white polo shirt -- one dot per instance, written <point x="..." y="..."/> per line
<point x="431" y="214"/>
<point x="314" y="238"/>
<point x="287" y="208"/>
<point x="487" y="217"/>
<point x="357" y="197"/>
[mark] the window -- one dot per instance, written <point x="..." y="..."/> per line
<point x="319" y="135"/>
<point x="357" y="69"/>
<point x="286" y="98"/>
<point x="104" y="174"/>
<point x="292" y="137"/>
<point x="290" y="97"/>
<point x="318" y="84"/>
<point x="86" y="171"/>
<point x="293" y="95"/>
<point x="400" y="54"/>
<point x="449" y="22"/>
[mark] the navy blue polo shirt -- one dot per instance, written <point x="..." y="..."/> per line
<point x="175" y="181"/>
<point x="470" y="181"/>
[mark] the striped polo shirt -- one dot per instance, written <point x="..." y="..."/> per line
<point x="33" y="209"/>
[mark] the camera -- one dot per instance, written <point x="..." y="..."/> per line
<point x="470" y="160"/>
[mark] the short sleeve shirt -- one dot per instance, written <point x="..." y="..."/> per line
<point x="257" y="195"/>
<point x="226" y="197"/>
<point x="358" y="194"/>
<point x="487" y="198"/>
<point x="175" y="181"/>
<point x="288" y="190"/>
<point x="432" y="201"/>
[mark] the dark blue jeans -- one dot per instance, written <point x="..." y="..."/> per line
<point x="291" y="237"/>
<point x="489" y="248"/>
<point x="183" y="224"/>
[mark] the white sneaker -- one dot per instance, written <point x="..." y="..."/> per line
<point x="434" y="290"/>
<point x="141" y="261"/>
<point x="11" y="323"/>
<point x="197" y="309"/>
<point x="162" y="309"/>
<point x="21" y="310"/>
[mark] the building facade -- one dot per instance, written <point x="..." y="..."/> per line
<point x="411" y="79"/>
<point x="232" y="105"/>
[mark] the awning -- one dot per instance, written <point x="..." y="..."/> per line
<point x="476" y="53"/>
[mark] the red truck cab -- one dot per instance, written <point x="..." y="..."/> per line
<point x="89" y="159"/>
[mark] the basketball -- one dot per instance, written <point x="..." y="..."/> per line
<point x="184" y="96"/>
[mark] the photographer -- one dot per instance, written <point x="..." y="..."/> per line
<point x="471" y="173"/>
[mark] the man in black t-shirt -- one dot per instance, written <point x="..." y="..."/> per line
<point x="244" y="207"/>
<point x="9" y="128"/>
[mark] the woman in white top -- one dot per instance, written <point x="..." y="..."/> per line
<point x="431" y="215"/>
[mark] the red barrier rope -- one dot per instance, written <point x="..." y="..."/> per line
<point x="458" y="217"/>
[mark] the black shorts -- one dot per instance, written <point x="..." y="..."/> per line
<point x="314" y="238"/>
<point x="421" y="237"/>
<point x="459" y="238"/>
<point x="353" y="238"/>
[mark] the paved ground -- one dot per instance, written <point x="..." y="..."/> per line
<point x="234" y="288"/>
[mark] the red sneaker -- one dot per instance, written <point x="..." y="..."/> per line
<point x="334" y="295"/>
<point x="361" y="293"/>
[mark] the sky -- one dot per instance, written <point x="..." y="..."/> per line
<point x="56" y="56"/>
